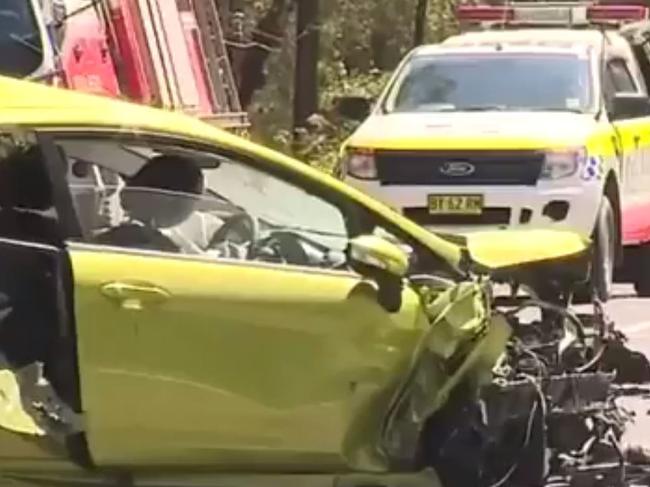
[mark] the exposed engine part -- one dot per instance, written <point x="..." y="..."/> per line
<point x="452" y="345"/>
<point x="549" y="416"/>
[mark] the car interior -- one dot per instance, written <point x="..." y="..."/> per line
<point x="224" y="221"/>
<point x="243" y="213"/>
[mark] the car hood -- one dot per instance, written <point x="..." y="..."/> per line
<point x="525" y="255"/>
<point x="484" y="130"/>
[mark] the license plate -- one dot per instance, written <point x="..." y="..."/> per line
<point x="457" y="204"/>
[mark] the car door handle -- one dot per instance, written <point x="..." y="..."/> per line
<point x="134" y="295"/>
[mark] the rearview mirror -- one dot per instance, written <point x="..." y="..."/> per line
<point x="383" y="261"/>
<point x="629" y="105"/>
<point x="353" y="107"/>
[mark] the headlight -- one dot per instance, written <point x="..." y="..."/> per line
<point x="360" y="164"/>
<point x="562" y="163"/>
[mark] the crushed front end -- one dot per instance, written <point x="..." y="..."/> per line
<point x="530" y="396"/>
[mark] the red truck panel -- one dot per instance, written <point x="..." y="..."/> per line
<point x="636" y="223"/>
<point x="139" y="82"/>
<point x="86" y="59"/>
<point x="197" y="57"/>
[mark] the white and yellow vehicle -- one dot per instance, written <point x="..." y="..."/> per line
<point x="541" y="123"/>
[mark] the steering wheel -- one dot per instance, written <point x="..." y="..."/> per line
<point x="281" y="245"/>
<point x="241" y="225"/>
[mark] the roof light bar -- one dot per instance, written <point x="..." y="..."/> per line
<point x="616" y="13"/>
<point x="484" y="13"/>
<point x="540" y="13"/>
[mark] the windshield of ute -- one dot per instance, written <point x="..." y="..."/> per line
<point x="509" y="82"/>
<point x="21" y="48"/>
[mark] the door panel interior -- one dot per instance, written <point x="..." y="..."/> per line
<point x="37" y="342"/>
<point x="37" y="333"/>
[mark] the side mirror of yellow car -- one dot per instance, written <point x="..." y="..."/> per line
<point x="384" y="262"/>
<point x="379" y="253"/>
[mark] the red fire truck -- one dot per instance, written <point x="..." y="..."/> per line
<point x="164" y="53"/>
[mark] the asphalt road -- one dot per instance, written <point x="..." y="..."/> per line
<point x="632" y="316"/>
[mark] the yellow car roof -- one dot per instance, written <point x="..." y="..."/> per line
<point x="32" y="104"/>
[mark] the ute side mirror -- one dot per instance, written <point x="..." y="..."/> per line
<point x="629" y="105"/>
<point x="384" y="262"/>
<point x="353" y="107"/>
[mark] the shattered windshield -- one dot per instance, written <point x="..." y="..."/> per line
<point x="511" y="82"/>
<point x="21" y="48"/>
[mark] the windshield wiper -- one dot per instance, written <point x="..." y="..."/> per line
<point x="482" y="108"/>
<point x="447" y="108"/>
<point x="551" y="109"/>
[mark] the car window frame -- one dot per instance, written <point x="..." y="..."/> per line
<point x="68" y="221"/>
<point x="350" y="211"/>
<point x="62" y="205"/>
<point x="360" y="219"/>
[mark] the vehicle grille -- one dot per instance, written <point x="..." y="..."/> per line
<point x="516" y="167"/>
<point x="489" y="216"/>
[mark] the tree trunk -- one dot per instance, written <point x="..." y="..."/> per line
<point x="420" y="22"/>
<point x="268" y="35"/>
<point x="305" y="101"/>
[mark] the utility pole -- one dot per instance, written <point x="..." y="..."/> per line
<point x="420" y="22"/>
<point x="305" y="94"/>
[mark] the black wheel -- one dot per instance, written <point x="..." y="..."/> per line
<point x="642" y="271"/>
<point x="604" y="252"/>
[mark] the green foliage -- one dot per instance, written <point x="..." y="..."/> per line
<point x="362" y="41"/>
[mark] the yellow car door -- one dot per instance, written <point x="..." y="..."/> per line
<point x="187" y="361"/>
<point x="234" y="354"/>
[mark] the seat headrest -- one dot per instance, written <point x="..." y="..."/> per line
<point x="24" y="181"/>
<point x="164" y="192"/>
<point x="171" y="173"/>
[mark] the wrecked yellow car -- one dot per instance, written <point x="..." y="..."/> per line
<point x="180" y="307"/>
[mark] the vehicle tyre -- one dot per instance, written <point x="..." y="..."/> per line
<point x="642" y="272"/>
<point x="604" y="252"/>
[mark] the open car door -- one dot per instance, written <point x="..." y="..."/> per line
<point x="38" y="374"/>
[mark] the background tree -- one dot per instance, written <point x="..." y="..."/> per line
<point x="361" y="42"/>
